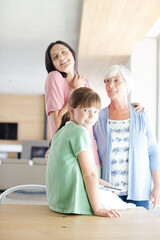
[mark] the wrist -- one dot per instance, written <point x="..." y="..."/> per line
<point x="156" y="185"/>
<point x="72" y="89"/>
<point x="97" y="209"/>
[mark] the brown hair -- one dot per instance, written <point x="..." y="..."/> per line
<point x="83" y="97"/>
<point x="48" y="61"/>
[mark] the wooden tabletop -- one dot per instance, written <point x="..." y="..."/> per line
<point x="35" y="222"/>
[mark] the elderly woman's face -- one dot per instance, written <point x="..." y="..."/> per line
<point x="116" y="87"/>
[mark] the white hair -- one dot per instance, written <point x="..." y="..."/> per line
<point x="122" y="71"/>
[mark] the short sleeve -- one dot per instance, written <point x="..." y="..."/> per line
<point x="55" y="92"/>
<point x="81" y="141"/>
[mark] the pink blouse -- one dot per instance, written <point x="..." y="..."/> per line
<point x="57" y="94"/>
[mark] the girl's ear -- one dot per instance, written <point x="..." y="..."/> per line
<point x="71" y="111"/>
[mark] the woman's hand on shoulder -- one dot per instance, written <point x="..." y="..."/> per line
<point x="102" y="212"/>
<point x="78" y="81"/>
<point x="138" y="107"/>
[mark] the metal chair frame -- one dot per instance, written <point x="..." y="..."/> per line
<point x="21" y="187"/>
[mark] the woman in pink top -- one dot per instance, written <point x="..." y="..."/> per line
<point x="62" y="79"/>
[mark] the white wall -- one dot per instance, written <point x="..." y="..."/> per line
<point x="143" y="65"/>
<point x="27" y="28"/>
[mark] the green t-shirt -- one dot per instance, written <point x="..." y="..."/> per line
<point x="66" y="191"/>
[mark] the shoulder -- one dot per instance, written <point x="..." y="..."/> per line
<point x="78" y="130"/>
<point x="54" y="76"/>
<point x="139" y="116"/>
<point x="54" y="79"/>
<point x="77" y="133"/>
<point x="103" y="113"/>
<point x="101" y="123"/>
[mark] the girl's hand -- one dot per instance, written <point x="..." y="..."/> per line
<point x="78" y="81"/>
<point x="155" y="196"/>
<point x="102" y="212"/>
<point x="138" y="107"/>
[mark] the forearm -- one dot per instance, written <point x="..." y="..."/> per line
<point x="91" y="183"/>
<point x="56" y="116"/>
<point x="156" y="177"/>
<point x="63" y="110"/>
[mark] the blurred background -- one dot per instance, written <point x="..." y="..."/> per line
<point x="102" y="32"/>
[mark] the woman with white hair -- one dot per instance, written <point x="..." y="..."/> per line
<point x="127" y="148"/>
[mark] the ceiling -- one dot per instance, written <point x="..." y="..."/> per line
<point x="102" y="32"/>
<point x="111" y="31"/>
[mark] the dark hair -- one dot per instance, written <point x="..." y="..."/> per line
<point x="48" y="61"/>
<point x="83" y="97"/>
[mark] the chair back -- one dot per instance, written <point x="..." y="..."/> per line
<point x="25" y="194"/>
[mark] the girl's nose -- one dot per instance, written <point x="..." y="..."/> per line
<point x="91" y="114"/>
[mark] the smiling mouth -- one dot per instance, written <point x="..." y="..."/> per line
<point x="89" y="122"/>
<point x="64" y="62"/>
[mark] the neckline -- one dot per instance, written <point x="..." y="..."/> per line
<point x="125" y="120"/>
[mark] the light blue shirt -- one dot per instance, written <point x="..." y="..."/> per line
<point x="144" y="155"/>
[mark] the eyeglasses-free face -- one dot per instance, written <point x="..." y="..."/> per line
<point x="62" y="58"/>
<point x="85" y="117"/>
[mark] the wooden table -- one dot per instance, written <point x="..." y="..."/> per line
<point x="21" y="222"/>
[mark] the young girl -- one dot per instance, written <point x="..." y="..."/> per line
<point x="72" y="182"/>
